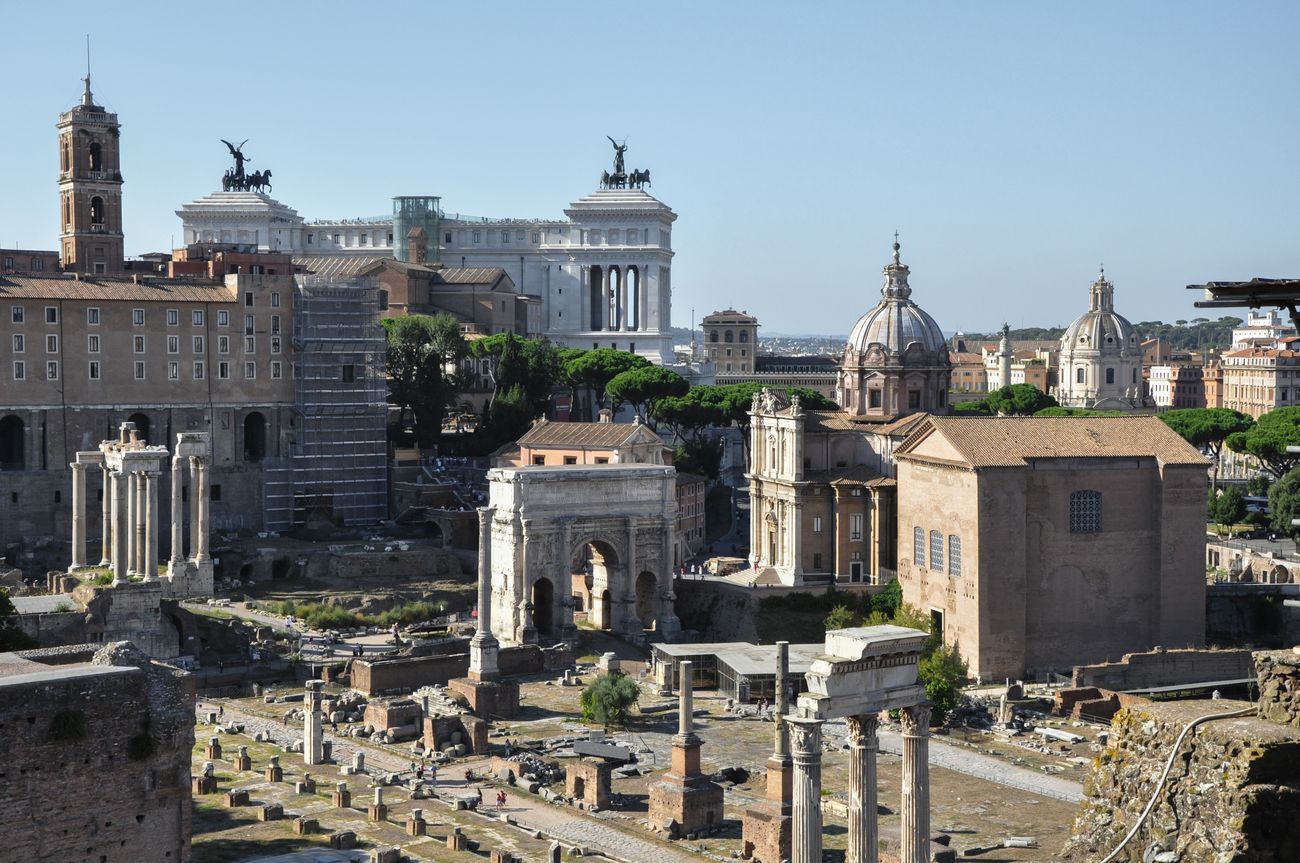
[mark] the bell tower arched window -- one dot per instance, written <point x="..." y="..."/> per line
<point x="96" y="157"/>
<point x="97" y="210"/>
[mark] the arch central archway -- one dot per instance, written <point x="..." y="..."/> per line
<point x="594" y="567"/>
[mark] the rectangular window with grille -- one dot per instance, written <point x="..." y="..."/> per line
<point x="173" y="344"/>
<point x="92" y="316"/>
<point x="20" y="343"/>
<point x="918" y="546"/>
<point x="173" y="317"/>
<point x="196" y="317"/>
<point x="936" y="551"/>
<point x="1085" y="512"/>
<point x="137" y="344"/>
<point x="92" y="344"/>
<point x="139" y="370"/>
<point x="137" y="317"/>
<point x="198" y="371"/>
<point x="92" y="370"/>
<point x="52" y="370"/>
<point x="855" y="527"/>
<point x="954" y="556"/>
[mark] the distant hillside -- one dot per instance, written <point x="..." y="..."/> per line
<point x="1197" y="334"/>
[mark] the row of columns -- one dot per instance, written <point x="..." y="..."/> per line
<point x="864" y="830"/>
<point x="615" y="310"/>
<point x="130" y="507"/>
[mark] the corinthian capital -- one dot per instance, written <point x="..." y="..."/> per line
<point x="915" y="719"/>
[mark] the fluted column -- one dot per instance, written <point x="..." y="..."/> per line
<point x="150" y="519"/>
<point x="194" y="505"/>
<point x="686" y="698"/>
<point x="128" y="537"/>
<point x="121" y="522"/>
<point x="106" y="515"/>
<point x="864" y="832"/>
<point x="78" y="515"/>
<point x="806" y="742"/>
<point x="483" y="646"/>
<point x="177" y="558"/>
<point x="201" y="490"/>
<point x="916" y="784"/>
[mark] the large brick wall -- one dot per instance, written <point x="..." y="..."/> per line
<point x="96" y="759"/>
<point x="1166" y="668"/>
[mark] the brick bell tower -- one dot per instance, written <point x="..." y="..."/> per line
<point x="90" y="189"/>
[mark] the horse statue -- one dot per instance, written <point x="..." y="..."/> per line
<point x="604" y="179"/>
<point x="227" y="181"/>
<point x="259" y="180"/>
<point x="639" y="179"/>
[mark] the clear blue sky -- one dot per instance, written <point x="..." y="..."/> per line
<point x="1015" y="146"/>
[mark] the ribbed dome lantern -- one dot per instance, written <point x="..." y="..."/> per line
<point x="896" y="359"/>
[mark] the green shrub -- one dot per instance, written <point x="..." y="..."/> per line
<point x="608" y="698"/>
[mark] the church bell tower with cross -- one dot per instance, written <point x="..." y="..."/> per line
<point x="90" y="188"/>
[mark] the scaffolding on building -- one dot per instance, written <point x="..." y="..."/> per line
<point x="338" y="469"/>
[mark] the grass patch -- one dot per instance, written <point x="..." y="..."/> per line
<point x="319" y="615"/>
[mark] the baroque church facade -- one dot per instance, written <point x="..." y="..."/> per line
<point x="822" y="487"/>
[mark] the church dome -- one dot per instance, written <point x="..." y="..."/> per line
<point x="897" y="322"/>
<point x="1101" y="328"/>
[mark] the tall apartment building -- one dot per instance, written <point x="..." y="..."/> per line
<point x="1257" y="380"/>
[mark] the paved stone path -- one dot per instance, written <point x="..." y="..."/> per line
<point x="566" y="825"/>
<point x="991" y="769"/>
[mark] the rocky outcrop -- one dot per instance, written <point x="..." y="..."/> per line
<point x="1232" y="795"/>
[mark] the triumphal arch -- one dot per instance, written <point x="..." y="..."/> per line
<point x="597" y="536"/>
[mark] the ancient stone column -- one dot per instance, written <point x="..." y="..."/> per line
<point x="121" y="521"/>
<point x="483" y="646"/>
<point x="864" y="832"/>
<point x="78" y="515"/>
<point x="141" y="519"/>
<point x="150" y="526"/>
<point x="201" y="546"/>
<point x="177" y="559"/>
<point x="686" y="698"/>
<point x="194" y="505"/>
<point x="106" y="514"/>
<point x="806" y="740"/>
<point x="916" y="784"/>
<point x="312" y="730"/>
<point x="128" y="537"/>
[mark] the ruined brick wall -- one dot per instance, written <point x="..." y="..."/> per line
<point x="1235" y="797"/>
<point x="406" y="674"/>
<point x="1166" y="668"/>
<point x="96" y="762"/>
<point x="1279" y="686"/>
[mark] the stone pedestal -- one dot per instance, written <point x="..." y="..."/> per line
<point x="488" y="699"/>
<point x="457" y="841"/>
<point x="304" y="826"/>
<point x="273" y="771"/>
<point x="343" y="840"/>
<point x="377" y="810"/>
<point x="242" y="761"/>
<point x="212" y="751"/>
<point x="588" y="780"/>
<point x="203" y="785"/>
<point x="415" y="823"/>
<point x="270" y="812"/>
<point x="236" y="798"/>
<point x="341" y="797"/>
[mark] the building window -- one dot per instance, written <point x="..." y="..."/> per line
<point x="250" y="344"/>
<point x="570" y="459"/>
<point x="1078" y="375"/>
<point x="1110" y="376"/>
<point x="539" y="459"/>
<point x="173" y="317"/>
<point x="20" y="343"/>
<point x="476" y="237"/>
<point x="248" y="299"/>
<point x="348" y="373"/>
<point x="855" y="527"/>
<point x="275" y="324"/>
<point x="173" y="344"/>
<point x="275" y="299"/>
<point x="223" y="317"/>
<point x="137" y="344"/>
<point x="198" y="344"/>
<point x="275" y="344"/>
<point x="17" y="313"/>
<point x="1085" y="512"/>
<point x="198" y="370"/>
<point x="817" y="524"/>
<point x="817" y="561"/>
<point x="51" y="344"/>
<point x="275" y="371"/>
<point x="913" y="399"/>
<point x="918" y="547"/>
<point x="92" y="316"/>
<point x="173" y="371"/>
<point x="92" y="344"/>
<point x="250" y="371"/>
<point x="139" y="370"/>
<point x="223" y="344"/>
<point x="196" y="317"/>
<point x="954" y="556"/>
<point x="51" y="314"/>
<point x="936" y="551"/>
<point x="223" y="371"/>
<point x="92" y="370"/>
<point x="248" y="324"/>
<point x="137" y="317"/>
<point x="1135" y="375"/>
<point x="52" y="370"/>
<point x="20" y="370"/>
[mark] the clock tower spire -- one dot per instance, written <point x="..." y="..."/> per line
<point x="90" y="188"/>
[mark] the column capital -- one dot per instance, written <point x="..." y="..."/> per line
<point x="863" y="729"/>
<point x="916" y="719"/>
<point x="805" y="737"/>
<point x="77" y="465"/>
